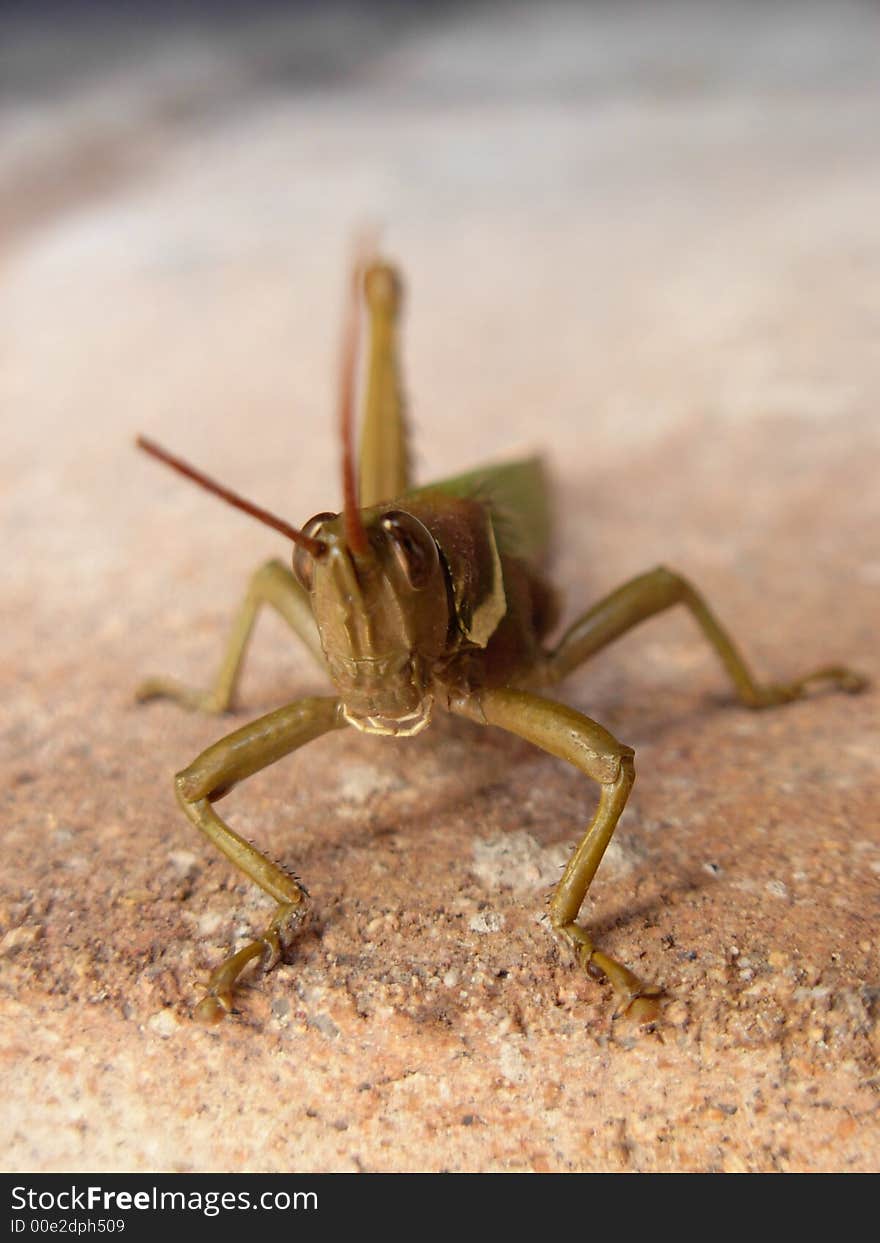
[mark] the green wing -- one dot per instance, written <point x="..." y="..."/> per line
<point x="517" y="496"/>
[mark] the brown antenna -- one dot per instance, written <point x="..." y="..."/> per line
<point x="316" y="547"/>
<point x="355" y="535"/>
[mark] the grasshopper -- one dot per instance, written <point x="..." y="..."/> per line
<point x="421" y="598"/>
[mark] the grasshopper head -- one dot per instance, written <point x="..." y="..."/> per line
<point x="377" y="585"/>
<point x="382" y="614"/>
<point x="376" y="581"/>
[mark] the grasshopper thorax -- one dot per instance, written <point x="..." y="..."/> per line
<point x="382" y="616"/>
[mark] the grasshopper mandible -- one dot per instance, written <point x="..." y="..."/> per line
<point x="419" y="598"/>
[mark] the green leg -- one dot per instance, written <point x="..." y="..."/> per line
<point x="272" y="584"/>
<point x="572" y="736"/>
<point x="660" y="589"/>
<point x="213" y="774"/>
<point x="384" y="463"/>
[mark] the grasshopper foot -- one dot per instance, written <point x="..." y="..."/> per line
<point x="218" y="1001"/>
<point x="840" y="678"/>
<point x="848" y="680"/>
<point x="187" y="696"/>
<point x="639" y="1001"/>
<point x="212" y="1010"/>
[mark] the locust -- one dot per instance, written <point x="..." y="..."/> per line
<point x="419" y="599"/>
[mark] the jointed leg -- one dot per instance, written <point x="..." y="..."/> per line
<point x="571" y="736"/>
<point x="272" y="584"/>
<point x="651" y="593"/>
<point x="213" y="774"/>
<point x="384" y="464"/>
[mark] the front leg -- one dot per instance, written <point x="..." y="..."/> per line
<point x="571" y="736"/>
<point x="237" y="756"/>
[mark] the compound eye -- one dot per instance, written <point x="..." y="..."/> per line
<point x="304" y="562"/>
<point x="413" y="546"/>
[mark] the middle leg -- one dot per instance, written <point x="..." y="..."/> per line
<point x="660" y="589"/>
<point x="272" y="584"/>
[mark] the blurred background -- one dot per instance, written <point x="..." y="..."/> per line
<point x="618" y="222"/>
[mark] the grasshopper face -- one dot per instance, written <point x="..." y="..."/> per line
<point x="383" y="617"/>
